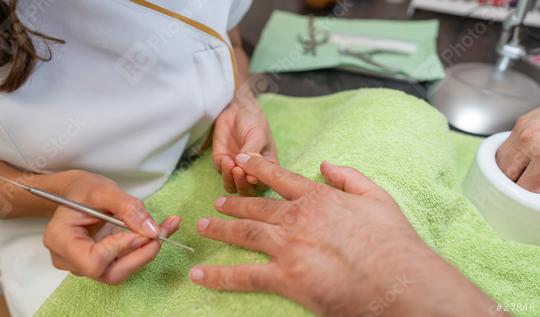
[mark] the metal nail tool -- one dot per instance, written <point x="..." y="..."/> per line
<point x="84" y="209"/>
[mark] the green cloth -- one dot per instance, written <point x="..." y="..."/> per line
<point x="399" y="141"/>
<point x="279" y="50"/>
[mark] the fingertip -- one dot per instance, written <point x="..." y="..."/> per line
<point x="238" y="172"/>
<point x="324" y="165"/>
<point x="171" y="225"/>
<point x="202" y="225"/>
<point x="220" y="202"/>
<point x="229" y="164"/>
<point x="252" y="180"/>
<point x="328" y="170"/>
<point x="196" y="274"/>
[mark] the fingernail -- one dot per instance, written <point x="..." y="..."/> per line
<point x="177" y="220"/>
<point x="196" y="274"/>
<point x="150" y="228"/>
<point x="138" y="242"/>
<point x="203" y="224"/>
<point x="328" y="163"/>
<point x="242" y="158"/>
<point x="220" y="202"/>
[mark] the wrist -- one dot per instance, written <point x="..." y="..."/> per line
<point x="27" y="205"/>
<point x="429" y="286"/>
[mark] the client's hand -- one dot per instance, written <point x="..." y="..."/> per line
<point x="340" y="250"/>
<point x="87" y="246"/>
<point x="241" y="128"/>
<point x="519" y="156"/>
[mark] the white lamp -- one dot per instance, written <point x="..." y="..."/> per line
<point x="485" y="99"/>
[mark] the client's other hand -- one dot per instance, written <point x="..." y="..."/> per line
<point x="519" y="156"/>
<point x="339" y="249"/>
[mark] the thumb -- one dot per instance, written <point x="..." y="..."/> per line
<point x="350" y="180"/>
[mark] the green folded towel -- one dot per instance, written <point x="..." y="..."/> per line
<point x="399" y="141"/>
<point x="280" y="51"/>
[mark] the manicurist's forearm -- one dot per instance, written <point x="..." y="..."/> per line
<point x="242" y="59"/>
<point x="17" y="203"/>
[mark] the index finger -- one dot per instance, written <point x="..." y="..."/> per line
<point x="240" y="278"/>
<point x="127" y="264"/>
<point x="288" y="184"/>
<point x="125" y="207"/>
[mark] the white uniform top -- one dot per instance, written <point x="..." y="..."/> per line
<point x="132" y="86"/>
<point x="135" y="83"/>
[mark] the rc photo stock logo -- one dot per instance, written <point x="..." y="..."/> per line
<point x="136" y="62"/>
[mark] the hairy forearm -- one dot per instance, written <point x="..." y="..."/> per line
<point x="432" y="287"/>
<point x="17" y="203"/>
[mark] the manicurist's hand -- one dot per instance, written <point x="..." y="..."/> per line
<point x="342" y="249"/>
<point x="519" y="156"/>
<point x="87" y="246"/>
<point x="242" y="127"/>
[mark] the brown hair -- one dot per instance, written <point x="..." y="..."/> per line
<point x="16" y="47"/>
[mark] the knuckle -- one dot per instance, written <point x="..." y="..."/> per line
<point x="291" y="214"/>
<point x="251" y="232"/>
<point x="255" y="281"/>
<point x="132" y="205"/>
<point x="535" y="149"/>
<point x="254" y="205"/>
<point x="278" y="173"/>
<point x="528" y="135"/>
<point x="320" y="190"/>
<point x="116" y="243"/>
<point x="267" y="206"/>
<point x="295" y="271"/>
<point x="299" y="179"/>
<point x="97" y="192"/>
<point x="257" y="163"/>
<point x="226" y="281"/>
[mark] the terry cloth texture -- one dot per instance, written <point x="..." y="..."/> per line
<point x="399" y="141"/>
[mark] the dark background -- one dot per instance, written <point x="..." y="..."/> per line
<point x="323" y="82"/>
